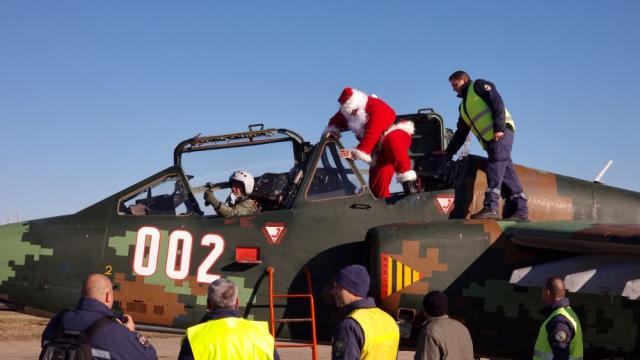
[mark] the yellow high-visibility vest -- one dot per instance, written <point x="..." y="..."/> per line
<point x="542" y="349"/>
<point x="231" y="338"/>
<point x="477" y="115"/>
<point x="381" y="334"/>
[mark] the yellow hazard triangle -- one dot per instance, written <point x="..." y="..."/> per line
<point x="396" y="275"/>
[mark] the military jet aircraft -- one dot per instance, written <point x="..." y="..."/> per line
<point x="162" y="246"/>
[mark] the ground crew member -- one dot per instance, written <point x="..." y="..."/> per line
<point x="239" y="203"/>
<point x="367" y="332"/>
<point x="383" y="144"/>
<point x="560" y="335"/>
<point x="482" y="112"/>
<point x="441" y="337"/>
<point x="224" y="333"/>
<point x="115" y="340"/>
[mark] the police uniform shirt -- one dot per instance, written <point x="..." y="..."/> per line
<point x="114" y="338"/>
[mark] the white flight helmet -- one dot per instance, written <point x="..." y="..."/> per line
<point x="245" y="178"/>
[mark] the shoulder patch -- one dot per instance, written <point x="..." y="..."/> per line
<point x="561" y="336"/>
<point x="487" y="87"/>
<point x="143" y="340"/>
<point x="338" y="348"/>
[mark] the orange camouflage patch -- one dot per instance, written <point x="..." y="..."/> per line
<point x="540" y="187"/>
<point x="147" y="303"/>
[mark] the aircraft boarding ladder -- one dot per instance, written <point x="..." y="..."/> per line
<point x="313" y="345"/>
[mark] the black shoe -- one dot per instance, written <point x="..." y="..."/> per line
<point x="518" y="217"/>
<point x="486" y="214"/>
<point x="410" y="187"/>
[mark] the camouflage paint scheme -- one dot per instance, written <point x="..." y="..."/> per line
<point x="413" y="244"/>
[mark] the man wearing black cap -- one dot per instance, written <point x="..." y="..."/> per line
<point x="441" y="337"/>
<point x="366" y="332"/>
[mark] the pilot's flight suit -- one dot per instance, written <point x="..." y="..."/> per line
<point x="242" y="206"/>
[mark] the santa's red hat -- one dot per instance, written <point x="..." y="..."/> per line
<point x="351" y="99"/>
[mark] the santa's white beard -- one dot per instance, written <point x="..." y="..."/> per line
<point x="356" y="122"/>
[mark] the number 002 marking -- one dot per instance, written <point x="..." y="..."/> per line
<point x="218" y="247"/>
<point x="175" y="269"/>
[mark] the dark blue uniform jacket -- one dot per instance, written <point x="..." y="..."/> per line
<point x="113" y="337"/>
<point x="185" y="351"/>
<point x="488" y="92"/>
<point x="348" y="338"/>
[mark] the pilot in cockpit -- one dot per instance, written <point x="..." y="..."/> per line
<point x="239" y="202"/>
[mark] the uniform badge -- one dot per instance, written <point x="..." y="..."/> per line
<point x="487" y="87"/>
<point x="338" y="348"/>
<point x="561" y="336"/>
<point x="143" y="340"/>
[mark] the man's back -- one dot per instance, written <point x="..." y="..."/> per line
<point x="231" y="338"/>
<point x="114" y="338"/>
<point x="444" y="338"/>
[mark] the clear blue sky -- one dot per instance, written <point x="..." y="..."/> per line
<point x="94" y="95"/>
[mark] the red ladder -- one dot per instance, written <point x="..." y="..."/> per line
<point x="313" y="345"/>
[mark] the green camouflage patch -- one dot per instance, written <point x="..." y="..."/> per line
<point x="121" y="244"/>
<point x="499" y="293"/>
<point x="16" y="250"/>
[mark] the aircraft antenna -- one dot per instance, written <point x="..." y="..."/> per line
<point x="602" y="172"/>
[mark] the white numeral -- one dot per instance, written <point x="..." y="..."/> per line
<point x="218" y="247"/>
<point x="141" y="246"/>
<point x="185" y="255"/>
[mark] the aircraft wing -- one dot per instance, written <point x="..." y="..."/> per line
<point x="610" y="263"/>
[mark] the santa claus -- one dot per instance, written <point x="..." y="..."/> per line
<point x="383" y="144"/>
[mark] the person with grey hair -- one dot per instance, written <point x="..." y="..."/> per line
<point x="224" y="331"/>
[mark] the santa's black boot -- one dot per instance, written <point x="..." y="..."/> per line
<point x="410" y="187"/>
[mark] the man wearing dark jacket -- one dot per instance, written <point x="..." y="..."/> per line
<point x="115" y="340"/>
<point x="366" y="332"/>
<point x="223" y="333"/>
<point x="560" y="335"/>
<point x="483" y="112"/>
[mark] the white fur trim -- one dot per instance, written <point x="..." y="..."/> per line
<point x="358" y="100"/>
<point x="405" y="125"/>
<point x="357" y="122"/>
<point x="332" y="129"/>
<point x="358" y="154"/>
<point x="407" y="176"/>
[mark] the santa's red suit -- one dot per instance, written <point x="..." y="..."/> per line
<point x="383" y="144"/>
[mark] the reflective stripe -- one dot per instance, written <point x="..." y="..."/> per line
<point x="480" y="114"/>
<point x="542" y="355"/>
<point x="100" y="354"/>
<point x="493" y="190"/>
<point x="518" y="195"/>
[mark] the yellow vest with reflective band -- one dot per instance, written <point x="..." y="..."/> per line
<point x="231" y="338"/>
<point x="381" y="334"/>
<point x="477" y="115"/>
<point x="543" y="351"/>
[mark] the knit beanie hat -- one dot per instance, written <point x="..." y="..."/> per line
<point x="435" y="303"/>
<point x="355" y="279"/>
